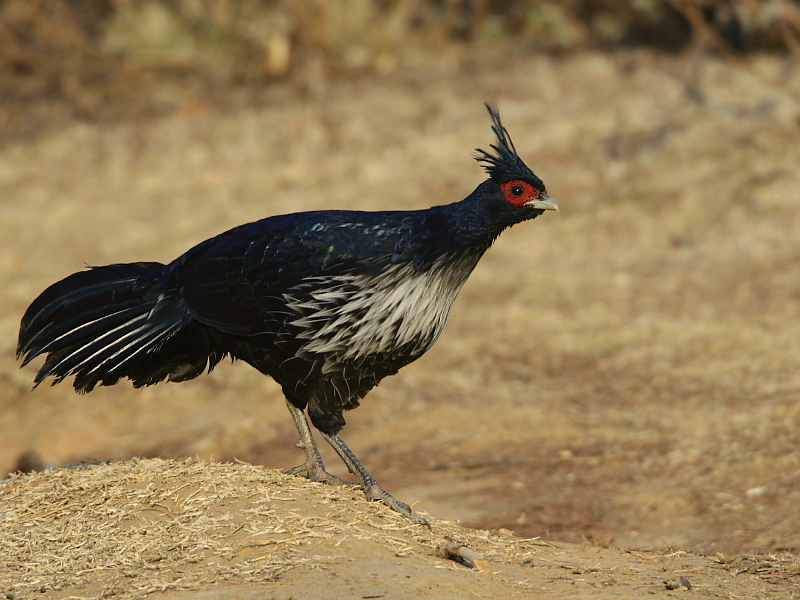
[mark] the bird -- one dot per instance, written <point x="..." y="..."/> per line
<point x="327" y="303"/>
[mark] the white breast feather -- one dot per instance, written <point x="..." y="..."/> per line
<point x="354" y="316"/>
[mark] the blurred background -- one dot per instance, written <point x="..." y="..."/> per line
<point x="625" y="372"/>
<point x="106" y="60"/>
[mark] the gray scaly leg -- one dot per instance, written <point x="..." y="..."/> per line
<point x="313" y="468"/>
<point x="372" y="490"/>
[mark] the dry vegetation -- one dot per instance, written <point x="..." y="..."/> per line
<point x="105" y="60"/>
<point x="136" y="528"/>
<point x="625" y="373"/>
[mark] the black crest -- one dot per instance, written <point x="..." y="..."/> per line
<point x="505" y="164"/>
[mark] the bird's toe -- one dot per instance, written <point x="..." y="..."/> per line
<point x="315" y="472"/>
<point x="375" y="492"/>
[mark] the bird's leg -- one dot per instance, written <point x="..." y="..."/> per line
<point x="313" y="467"/>
<point x="369" y="484"/>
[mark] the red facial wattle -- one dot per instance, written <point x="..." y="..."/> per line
<point x="517" y="192"/>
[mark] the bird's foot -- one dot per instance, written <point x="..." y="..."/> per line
<point x="315" y="471"/>
<point x="372" y="490"/>
<point x="375" y="492"/>
<point x="313" y="468"/>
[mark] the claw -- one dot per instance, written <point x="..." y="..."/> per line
<point x="376" y="492"/>
<point x="314" y="471"/>
<point x="372" y="490"/>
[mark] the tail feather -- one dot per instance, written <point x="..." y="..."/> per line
<point x="67" y="360"/>
<point x="112" y="322"/>
<point x="64" y="304"/>
<point x="63" y="334"/>
<point x="112" y="359"/>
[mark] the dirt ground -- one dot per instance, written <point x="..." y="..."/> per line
<point x="189" y="530"/>
<point x="624" y="374"/>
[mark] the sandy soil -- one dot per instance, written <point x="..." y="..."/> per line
<point x="624" y="373"/>
<point x="191" y="530"/>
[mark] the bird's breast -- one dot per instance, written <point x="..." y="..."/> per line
<point x="349" y="318"/>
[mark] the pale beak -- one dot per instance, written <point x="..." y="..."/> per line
<point x="543" y="202"/>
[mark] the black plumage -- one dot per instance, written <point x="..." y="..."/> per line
<point x="327" y="303"/>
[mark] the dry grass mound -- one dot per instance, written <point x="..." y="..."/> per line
<point x="128" y="529"/>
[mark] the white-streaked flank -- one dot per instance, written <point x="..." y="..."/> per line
<point x="350" y="317"/>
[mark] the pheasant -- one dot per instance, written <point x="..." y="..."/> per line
<point x="327" y="303"/>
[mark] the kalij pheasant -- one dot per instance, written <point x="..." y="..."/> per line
<point x="327" y="303"/>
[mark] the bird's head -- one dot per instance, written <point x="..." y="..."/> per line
<point x="516" y="190"/>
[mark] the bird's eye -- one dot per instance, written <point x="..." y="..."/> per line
<point x="518" y="192"/>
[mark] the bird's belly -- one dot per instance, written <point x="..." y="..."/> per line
<point x="351" y="319"/>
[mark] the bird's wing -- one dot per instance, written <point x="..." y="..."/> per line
<point x="241" y="282"/>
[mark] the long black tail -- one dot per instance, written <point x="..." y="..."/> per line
<point x="112" y="322"/>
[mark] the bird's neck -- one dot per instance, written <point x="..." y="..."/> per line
<point x="466" y="228"/>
